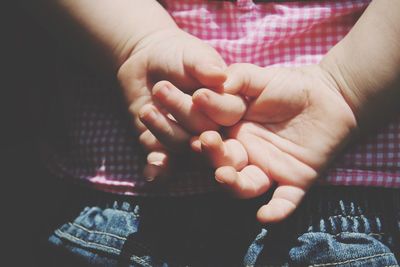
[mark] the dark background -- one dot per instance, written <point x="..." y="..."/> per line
<point x="27" y="77"/>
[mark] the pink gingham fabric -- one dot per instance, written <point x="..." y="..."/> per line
<point x="101" y="149"/>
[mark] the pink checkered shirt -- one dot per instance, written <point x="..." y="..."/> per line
<point x="101" y="149"/>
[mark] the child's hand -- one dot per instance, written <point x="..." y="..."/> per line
<point x="296" y="122"/>
<point x="185" y="62"/>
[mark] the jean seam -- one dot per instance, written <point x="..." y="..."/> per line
<point x="115" y="251"/>
<point x="352" y="260"/>
<point x="370" y="234"/>
<point x="109" y="234"/>
<point x="140" y="261"/>
<point x="351" y="217"/>
<point x="88" y="243"/>
<point x="97" y="232"/>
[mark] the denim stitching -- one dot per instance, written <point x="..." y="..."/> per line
<point x="371" y="234"/>
<point x="97" y="232"/>
<point x="112" y="235"/>
<point x="115" y="250"/>
<point x="377" y="234"/>
<point x="352" y="260"/>
<point x="270" y="265"/>
<point x="139" y="260"/>
<point x="348" y="216"/>
<point x="68" y="237"/>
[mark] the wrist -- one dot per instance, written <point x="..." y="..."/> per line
<point x="335" y="80"/>
<point x="338" y="75"/>
<point x="129" y="21"/>
<point x="135" y="42"/>
<point x="371" y="96"/>
<point x="367" y="70"/>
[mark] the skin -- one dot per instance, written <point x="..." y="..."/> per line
<point x="186" y="62"/>
<point x="289" y="123"/>
<point x="294" y="122"/>
<point x="300" y="118"/>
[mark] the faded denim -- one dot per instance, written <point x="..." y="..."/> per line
<point x="333" y="227"/>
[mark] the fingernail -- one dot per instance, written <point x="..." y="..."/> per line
<point x="196" y="145"/>
<point x="156" y="163"/>
<point x="203" y="97"/>
<point x="150" y="173"/>
<point x="147" y="112"/>
<point x="219" y="180"/>
<point x="152" y="115"/>
<point x="164" y="90"/>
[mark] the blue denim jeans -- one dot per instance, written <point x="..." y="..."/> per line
<point x="335" y="226"/>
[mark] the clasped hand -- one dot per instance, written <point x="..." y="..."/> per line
<point x="280" y="126"/>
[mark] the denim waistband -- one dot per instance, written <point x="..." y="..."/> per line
<point x="338" y="210"/>
<point x="321" y="210"/>
<point x="341" y="202"/>
<point x="332" y="210"/>
<point x="320" y="201"/>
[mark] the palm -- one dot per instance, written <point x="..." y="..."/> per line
<point x="295" y="124"/>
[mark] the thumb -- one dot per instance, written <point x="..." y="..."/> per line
<point x="247" y="79"/>
<point x="207" y="67"/>
<point x="285" y="200"/>
<point x="224" y="109"/>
